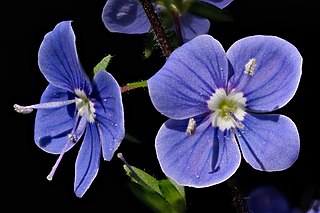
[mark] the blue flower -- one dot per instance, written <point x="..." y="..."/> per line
<point x="220" y="103"/>
<point x="128" y="16"/>
<point x="314" y="207"/>
<point x="268" y="199"/>
<point x="72" y="106"/>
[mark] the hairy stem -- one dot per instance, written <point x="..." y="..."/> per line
<point x="134" y="85"/>
<point x="157" y="27"/>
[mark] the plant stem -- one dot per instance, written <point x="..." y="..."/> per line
<point x="158" y="30"/>
<point x="134" y="85"/>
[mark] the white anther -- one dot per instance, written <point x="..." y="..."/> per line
<point x="191" y="126"/>
<point x="22" y="109"/>
<point x="250" y="67"/>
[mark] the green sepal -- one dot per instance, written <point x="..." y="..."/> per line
<point x="102" y="65"/>
<point x="173" y="195"/>
<point x="152" y="199"/>
<point x="206" y="10"/>
<point x="164" y="196"/>
<point x="178" y="187"/>
<point x="145" y="177"/>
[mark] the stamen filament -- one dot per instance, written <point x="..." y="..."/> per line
<point x="48" y="105"/>
<point x="71" y="138"/>
<point x="54" y="168"/>
<point x="238" y="122"/>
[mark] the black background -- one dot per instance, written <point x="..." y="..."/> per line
<point x="24" y="166"/>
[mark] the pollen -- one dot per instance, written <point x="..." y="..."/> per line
<point x="250" y="67"/>
<point x="22" y="109"/>
<point x="72" y="137"/>
<point x="191" y="126"/>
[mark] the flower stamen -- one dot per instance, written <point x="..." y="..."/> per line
<point x="72" y="137"/>
<point x="238" y="123"/>
<point x="22" y="109"/>
<point x="191" y="126"/>
<point x="55" y="166"/>
<point x="48" y="105"/>
<point x="250" y="67"/>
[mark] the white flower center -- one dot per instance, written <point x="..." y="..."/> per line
<point x="84" y="106"/>
<point x="228" y="110"/>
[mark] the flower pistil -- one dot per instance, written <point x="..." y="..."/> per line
<point x="85" y="106"/>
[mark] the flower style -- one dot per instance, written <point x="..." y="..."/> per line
<point x="72" y="106"/>
<point x="128" y="16"/>
<point x="220" y="103"/>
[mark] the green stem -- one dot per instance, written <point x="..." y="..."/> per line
<point x="134" y="85"/>
<point x="157" y="27"/>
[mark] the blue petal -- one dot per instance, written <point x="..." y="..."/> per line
<point x="109" y="112"/>
<point x="314" y="206"/>
<point x="192" y="73"/>
<point x="204" y="158"/>
<point x="218" y="3"/>
<point x="276" y="75"/>
<point x="58" y="59"/>
<point x="267" y="199"/>
<point x="192" y="26"/>
<point x="125" y="16"/>
<point x="52" y="126"/>
<point x="269" y="142"/>
<point x="88" y="160"/>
